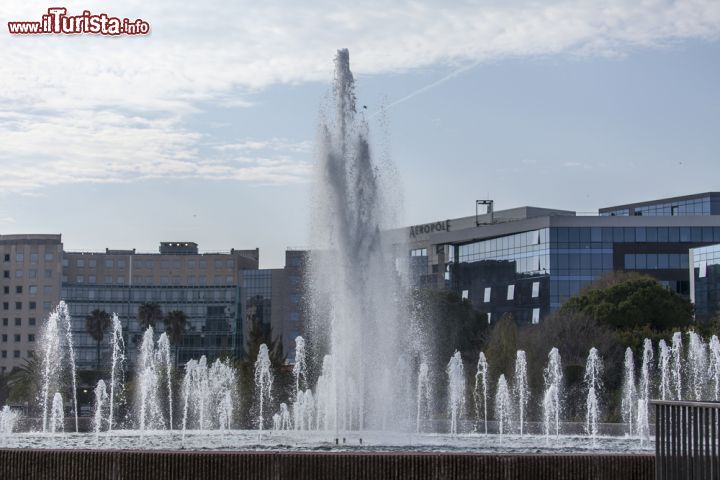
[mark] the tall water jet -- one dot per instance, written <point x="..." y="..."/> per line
<point x="552" y="398"/>
<point x="664" y="356"/>
<point x="64" y="318"/>
<point x="714" y="368"/>
<point x="676" y="365"/>
<point x="520" y="389"/>
<point x="697" y="365"/>
<point x="480" y="392"/>
<point x="503" y="405"/>
<point x="57" y="353"/>
<point x="300" y="367"/>
<point x="57" y="414"/>
<point x="263" y="383"/>
<point x="148" y="385"/>
<point x="165" y="361"/>
<point x="101" y="400"/>
<point x="423" y="396"/>
<point x="628" y="403"/>
<point x="593" y="383"/>
<point x="643" y="410"/>
<point x="358" y="299"/>
<point x="456" y="390"/>
<point x="116" y="367"/>
<point x="325" y="405"/>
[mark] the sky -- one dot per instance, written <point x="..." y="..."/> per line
<point x="205" y="130"/>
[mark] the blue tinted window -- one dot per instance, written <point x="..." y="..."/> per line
<point x="696" y="234"/>
<point x="596" y="234"/>
<point x="652" y="260"/>
<point x="629" y="234"/>
<point x="629" y="261"/>
<point x="652" y="234"/>
<point x="607" y="235"/>
<point x="562" y="235"/>
<point x="662" y="234"/>
<point x="640" y="261"/>
<point x="674" y="234"/>
<point x="684" y="234"/>
<point x="640" y="234"/>
<point x="663" y="260"/>
<point x="618" y="235"/>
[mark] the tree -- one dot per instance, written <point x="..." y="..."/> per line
<point x="148" y="315"/>
<point x="452" y="321"/>
<point x="175" y="326"/>
<point x="501" y="348"/>
<point x="632" y="302"/>
<point x="24" y="382"/>
<point x="96" y="324"/>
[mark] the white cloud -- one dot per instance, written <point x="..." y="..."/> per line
<point x="112" y="109"/>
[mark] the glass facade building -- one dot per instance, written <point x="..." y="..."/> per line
<point x="705" y="281"/>
<point x="529" y="261"/>
<point x="691" y="205"/>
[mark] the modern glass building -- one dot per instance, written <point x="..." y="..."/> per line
<point x="705" y="281"/>
<point x="528" y="261"/>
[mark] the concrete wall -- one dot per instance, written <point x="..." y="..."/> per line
<point x="157" y="465"/>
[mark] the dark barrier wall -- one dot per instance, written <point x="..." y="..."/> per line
<point x="159" y="465"/>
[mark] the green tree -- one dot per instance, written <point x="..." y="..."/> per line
<point x="149" y="314"/>
<point x="24" y="382"/>
<point x="631" y="302"/>
<point x="452" y="322"/>
<point x="175" y="327"/>
<point x="96" y="324"/>
<point x="501" y="348"/>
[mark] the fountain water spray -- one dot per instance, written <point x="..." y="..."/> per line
<point x="552" y="398"/>
<point x="116" y="367"/>
<point x="664" y="369"/>
<point x="56" y="346"/>
<point x="148" y="385"/>
<point x="300" y="367"/>
<point x="593" y="383"/>
<point x="480" y="392"/>
<point x="676" y="365"/>
<point x="714" y="368"/>
<point x="697" y="365"/>
<point x="423" y="396"/>
<point x="8" y="420"/>
<point x="503" y="405"/>
<point x="358" y="297"/>
<point x="263" y="382"/>
<point x="209" y="394"/>
<point x="520" y="389"/>
<point x="456" y="390"/>
<point x="629" y="392"/>
<point x="57" y="415"/>
<point x="164" y="359"/>
<point x="101" y="400"/>
<point x="643" y="411"/>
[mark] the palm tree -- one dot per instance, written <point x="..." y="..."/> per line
<point x="148" y="315"/>
<point x="24" y="381"/>
<point x="175" y="326"/>
<point x="95" y="324"/>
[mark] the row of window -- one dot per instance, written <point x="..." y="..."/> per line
<point x="589" y="235"/>
<point x="19" y="305"/>
<point x="655" y="261"/>
<point x="16" y="354"/>
<point x="34" y="257"/>
<point x="17" y="337"/>
<point x="32" y="273"/>
<point x="18" y="321"/>
<point x="191" y="280"/>
<point x="149" y="295"/>
<point x="696" y="206"/>
<point x="32" y="289"/>
<point x="151" y="264"/>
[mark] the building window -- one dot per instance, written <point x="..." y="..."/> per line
<point x="18" y="305"/>
<point x="18" y="289"/>
<point x="511" y="292"/>
<point x="108" y="280"/>
<point x="486" y="296"/>
<point x="92" y="279"/>
<point x="6" y="306"/>
<point x="31" y="337"/>
<point x="32" y="274"/>
<point x="6" y="290"/>
<point x="48" y="274"/>
<point x="80" y="262"/>
<point x="19" y="257"/>
<point x="7" y="257"/>
<point x="16" y="338"/>
<point x="3" y="354"/>
<point x="80" y="279"/>
<point x="49" y="257"/>
<point x="535" y="289"/>
<point x="108" y="263"/>
<point x="18" y="322"/>
<point x="33" y="258"/>
<point x="33" y="305"/>
<point x="5" y="322"/>
<point x="19" y="273"/>
<point x="33" y="289"/>
<point x="16" y="353"/>
<point x="4" y="337"/>
<point x="31" y="321"/>
<point x="536" y="316"/>
<point x="465" y="294"/>
<point x="6" y="273"/>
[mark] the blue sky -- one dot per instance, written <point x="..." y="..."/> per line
<point x="205" y="130"/>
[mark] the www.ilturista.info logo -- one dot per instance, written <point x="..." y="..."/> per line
<point x="57" y="21"/>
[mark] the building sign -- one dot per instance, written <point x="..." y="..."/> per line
<point x="430" y="228"/>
